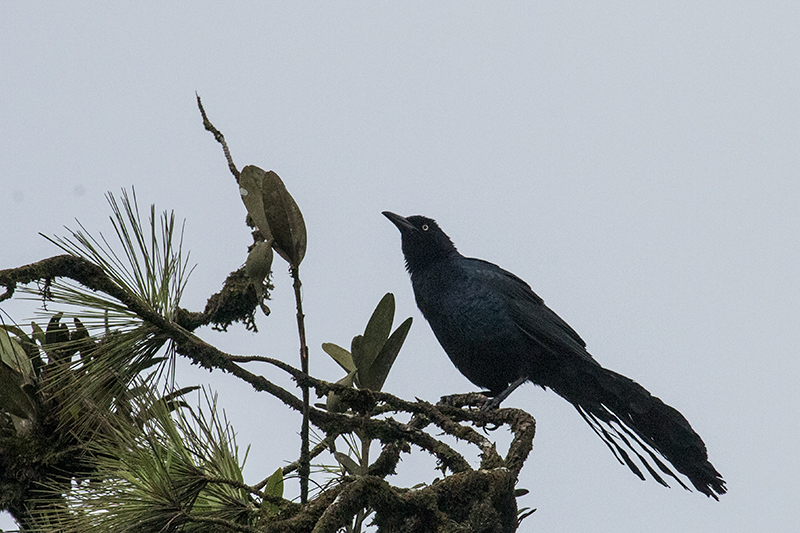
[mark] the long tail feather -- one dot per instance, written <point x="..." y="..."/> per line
<point x="640" y="429"/>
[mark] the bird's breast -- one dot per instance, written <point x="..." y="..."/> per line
<point x="453" y="299"/>
<point x="473" y="325"/>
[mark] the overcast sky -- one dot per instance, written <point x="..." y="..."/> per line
<point x="635" y="162"/>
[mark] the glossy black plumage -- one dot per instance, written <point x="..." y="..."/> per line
<point x="499" y="333"/>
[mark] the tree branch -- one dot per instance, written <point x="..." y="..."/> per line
<point x="366" y="491"/>
<point x="219" y="137"/>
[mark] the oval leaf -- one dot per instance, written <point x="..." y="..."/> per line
<point x="38" y="334"/>
<point x="359" y="357"/>
<point x="259" y="263"/>
<point x="31" y="350"/>
<point x="274" y="487"/>
<point x="13" y="399"/>
<point x="380" y="323"/>
<point x="367" y="347"/>
<point x="284" y="218"/>
<point x="14" y="365"/>
<point x="82" y="340"/>
<point x="257" y="268"/>
<point x="383" y="363"/>
<point x="350" y="466"/>
<point x="57" y="333"/>
<point x="340" y="355"/>
<point x="13" y="354"/>
<point x="251" y="180"/>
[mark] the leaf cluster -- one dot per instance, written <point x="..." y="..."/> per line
<point x="371" y="354"/>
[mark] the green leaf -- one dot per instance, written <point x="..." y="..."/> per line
<point x="259" y="262"/>
<point x="28" y="344"/>
<point x="383" y="362"/>
<point x="80" y="332"/>
<point x="274" y="487"/>
<point x="350" y="466"/>
<point x="57" y="333"/>
<point x="38" y="333"/>
<point x="251" y="180"/>
<point x="56" y="339"/>
<point x="82" y="340"/>
<point x="257" y="268"/>
<point x="359" y="355"/>
<point x="340" y="355"/>
<point x="13" y="355"/>
<point x="13" y="399"/>
<point x="274" y="212"/>
<point x="365" y="348"/>
<point x="380" y="323"/>
<point x="285" y="219"/>
<point x="15" y="371"/>
<point x="16" y="331"/>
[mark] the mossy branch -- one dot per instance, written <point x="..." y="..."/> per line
<point x="330" y="509"/>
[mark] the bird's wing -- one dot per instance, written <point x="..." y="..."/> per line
<point x="529" y="311"/>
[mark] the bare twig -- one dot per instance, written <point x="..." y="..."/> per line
<point x="219" y="137"/>
<point x="304" y="465"/>
<point x="316" y="451"/>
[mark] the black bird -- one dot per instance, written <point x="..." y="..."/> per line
<point x="500" y="334"/>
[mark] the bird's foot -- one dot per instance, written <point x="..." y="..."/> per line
<point x="497" y="398"/>
<point x="492" y="403"/>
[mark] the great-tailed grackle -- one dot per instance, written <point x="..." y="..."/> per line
<point x="499" y="334"/>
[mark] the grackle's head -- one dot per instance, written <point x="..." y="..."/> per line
<point x="423" y="240"/>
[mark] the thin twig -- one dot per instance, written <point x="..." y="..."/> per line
<point x="304" y="469"/>
<point x="316" y="451"/>
<point x="219" y="137"/>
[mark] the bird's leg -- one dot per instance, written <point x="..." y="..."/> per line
<point x="495" y="402"/>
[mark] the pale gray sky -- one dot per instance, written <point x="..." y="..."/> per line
<point x="635" y="162"/>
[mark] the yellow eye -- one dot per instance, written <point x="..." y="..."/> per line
<point x="424" y="227"/>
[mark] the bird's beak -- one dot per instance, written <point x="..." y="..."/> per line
<point x="402" y="223"/>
